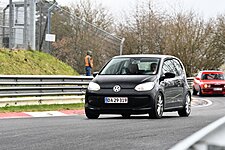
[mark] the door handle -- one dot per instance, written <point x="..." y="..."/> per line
<point x="179" y="82"/>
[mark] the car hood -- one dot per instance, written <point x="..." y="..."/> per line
<point x="213" y="81"/>
<point x="129" y="81"/>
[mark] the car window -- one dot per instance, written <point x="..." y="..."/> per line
<point x="178" y="67"/>
<point x="115" y="66"/>
<point x="172" y="66"/>
<point x="212" y="76"/>
<point x="132" y="66"/>
<point x="168" y="66"/>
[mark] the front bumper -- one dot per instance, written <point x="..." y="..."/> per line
<point x="211" y="91"/>
<point x="137" y="104"/>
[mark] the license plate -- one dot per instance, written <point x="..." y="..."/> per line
<point x="116" y="100"/>
<point x="217" y="89"/>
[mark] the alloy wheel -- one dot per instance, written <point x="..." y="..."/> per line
<point x="160" y="105"/>
<point x="188" y="104"/>
<point x="186" y="110"/>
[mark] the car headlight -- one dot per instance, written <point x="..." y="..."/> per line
<point x="93" y="86"/>
<point x="145" y="86"/>
<point x="206" y="85"/>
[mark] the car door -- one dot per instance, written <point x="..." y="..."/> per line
<point x="170" y="86"/>
<point x="179" y="82"/>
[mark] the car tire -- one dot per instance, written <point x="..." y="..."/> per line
<point x="195" y="92"/>
<point x="125" y="115"/>
<point x="91" y="114"/>
<point x="200" y="92"/>
<point x="157" y="109"/>
<point x="186" y="110"/>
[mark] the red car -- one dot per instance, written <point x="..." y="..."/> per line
<point x="209" y="82"/>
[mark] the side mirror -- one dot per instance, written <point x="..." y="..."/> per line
<point x="169" y="75"/>
<point x="95" y="74"/>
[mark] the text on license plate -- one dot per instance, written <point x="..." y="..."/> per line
<point x="217" y="89"/>
<point x="116" y="100"/>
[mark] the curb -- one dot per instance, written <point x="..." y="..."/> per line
<point x="196" y="102"/>
<point x="41" y="114"/>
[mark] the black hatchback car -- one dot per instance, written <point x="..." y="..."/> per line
<point x="139" y="84"/>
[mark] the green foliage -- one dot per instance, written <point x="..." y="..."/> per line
<point x="27" y="62"/>
<point x="33" y="108"/>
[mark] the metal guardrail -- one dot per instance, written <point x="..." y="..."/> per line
<point x="36" y="89"/>
<point x="190" y="81"/>
<point x="41" y="87"/>
<point x="209" y="138"/>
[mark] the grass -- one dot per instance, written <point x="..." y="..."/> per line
<point x="35" y="108"/>
<point x="32" y="62"/>
<point x="29" y="62"/>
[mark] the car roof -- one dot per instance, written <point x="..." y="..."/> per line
<point x="211" y="71"/>
<point x="145" y="55"/>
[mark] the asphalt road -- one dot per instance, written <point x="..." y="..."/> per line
<point x="106" y="133"/>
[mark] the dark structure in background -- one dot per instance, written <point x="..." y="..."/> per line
<point x="23" y="24"/>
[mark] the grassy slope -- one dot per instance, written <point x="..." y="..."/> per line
<point x="27" y="62"/>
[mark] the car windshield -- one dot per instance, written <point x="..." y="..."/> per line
<point x="212" y="76"/>
<point x="132" y="66"/>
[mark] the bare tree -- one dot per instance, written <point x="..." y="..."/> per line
<point x="84" y="29"/>
<point x="198" y="43"/>
<point x="187" y="38"/>
<point x="217" y="55"/>
<point x="143" y="31"/>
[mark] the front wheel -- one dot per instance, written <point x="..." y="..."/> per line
<point x="157" y="109"/>
<point x="91" y="114"/>
<point x="186" y="110"/>
<point x="194" y="91"/>
<point x="200" y="92"/>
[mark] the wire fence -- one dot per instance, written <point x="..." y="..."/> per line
<point x="4" y="27"/>
<point x="14" y="25"/>
<point x="74" y="36"/>
<point x="79" y="36"/>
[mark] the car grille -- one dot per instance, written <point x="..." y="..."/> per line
<point x="217" y="85"/>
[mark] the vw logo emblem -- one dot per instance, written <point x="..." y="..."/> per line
<point x="116" y="88"/>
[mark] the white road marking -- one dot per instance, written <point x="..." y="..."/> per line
<point x="45" y="114"/>
<point x="208" y="102"/>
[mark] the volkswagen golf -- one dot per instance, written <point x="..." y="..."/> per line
<point x="139" y="84"/>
